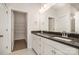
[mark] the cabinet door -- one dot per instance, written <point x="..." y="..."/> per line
<point x="62" y="47"/>
<point x="39" y="49"/>
<point x="43" y="40"/>
<point x="57" y="52"/>
<point x="42" y="48"/>
<point x="48" y="50"/>
<point x="36" y="44"/>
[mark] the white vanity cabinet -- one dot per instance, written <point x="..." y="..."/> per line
<point x="49" y="49"/>
<point x="36" y="44"/>
<point x="67" y="50"/>
<point x="44" y="46"/>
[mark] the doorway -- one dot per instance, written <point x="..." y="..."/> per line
<point x="19" y="32"/>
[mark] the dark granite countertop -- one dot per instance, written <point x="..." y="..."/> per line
<point x="74" y="41"/>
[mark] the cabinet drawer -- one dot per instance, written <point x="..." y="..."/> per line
<point x="62" y="47"/>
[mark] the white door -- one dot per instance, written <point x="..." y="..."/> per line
<point x="3" y="29"/>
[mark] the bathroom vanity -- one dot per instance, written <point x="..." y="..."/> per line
<point x="53" y="23"/>
<point x="52" y="43"/>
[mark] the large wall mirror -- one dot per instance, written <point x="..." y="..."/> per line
<point x="60" y="17"/>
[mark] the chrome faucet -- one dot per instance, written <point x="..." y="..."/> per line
<point x="64" y="34"/>
<point x="41" y="31"/>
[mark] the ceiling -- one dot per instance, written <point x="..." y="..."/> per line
<point x="60" y="5"/>
<point x="76" y="5"/>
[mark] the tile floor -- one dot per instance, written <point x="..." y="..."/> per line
<point x="24" y="52"/>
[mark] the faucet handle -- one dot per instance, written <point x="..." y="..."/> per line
<point x="64" y="34"/>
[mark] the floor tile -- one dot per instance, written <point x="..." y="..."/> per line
<point x="24" y="52"/>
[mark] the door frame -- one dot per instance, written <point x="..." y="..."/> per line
<point x="12" y="25"/>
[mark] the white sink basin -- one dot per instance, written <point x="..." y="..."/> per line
<point x="62" y="39"/>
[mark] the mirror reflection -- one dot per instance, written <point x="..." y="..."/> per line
<point x="60" y="17"/>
